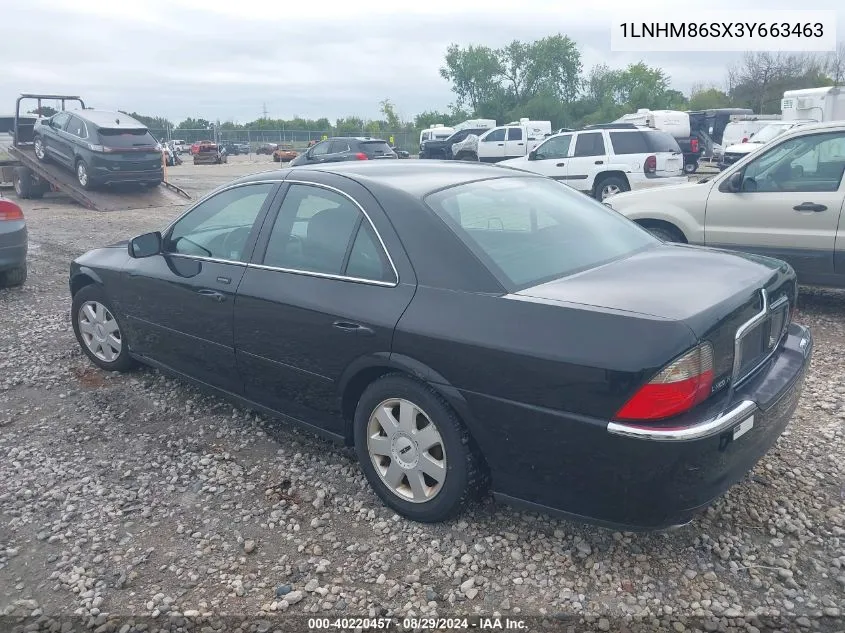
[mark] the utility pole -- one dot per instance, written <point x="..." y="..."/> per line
<point x="264" y="111"/>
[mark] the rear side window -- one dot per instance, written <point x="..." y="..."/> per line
<point x="339" y="146"/>
<point x="628" y="143"/>
<point x="589" y="144"/>
<point x="126" y="138"/>
<point x="661" y="142"/>
<point x="527" y="231"/>
<point x="514" y="134"/>
<point x="375" y="148"/>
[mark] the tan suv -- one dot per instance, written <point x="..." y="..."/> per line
<point x="784" y="200"/>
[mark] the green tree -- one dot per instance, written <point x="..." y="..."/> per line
<point x="388" y="110"/>
<point x="45" y="111"/>
<point x="708" y="98"/>
<point x="473" y="72"/>
<point x="194" y="124"/>
<point x="759" y="80"/>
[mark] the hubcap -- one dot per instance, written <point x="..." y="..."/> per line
<point x="99" y="331"/>
<point x="407" y="450"/>
<point x="609" y="190"/>
<point x="82" y="174"/>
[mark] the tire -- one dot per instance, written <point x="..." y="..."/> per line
<point x="84" y="182"/>
<point x="610" y="185"/>
<point x="13" y="277"/>
<point x="461" y="477"/>
<point x="690" y="168"/>
<point x="99" y="348"/>
<point x="39" y="149"/>
<point x="468" y="156"/>
<point x="24" y="185"/>
<point x="666" y="233"/>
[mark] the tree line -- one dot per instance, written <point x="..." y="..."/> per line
<point x="545" y="80"/>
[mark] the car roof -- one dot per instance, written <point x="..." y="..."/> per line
<point x="108" y="119"/>
<point x="416" y="178"/>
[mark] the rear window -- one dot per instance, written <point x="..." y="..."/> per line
<point x="530" y="230"/>
<point x="375" y="148"/>
<point x="124" y="138"/>
<point x="642" y="142"/>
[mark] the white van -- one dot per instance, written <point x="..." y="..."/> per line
<point x="741" y="130"/>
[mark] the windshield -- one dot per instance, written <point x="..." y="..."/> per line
<point x="531" y="230"/>
<point x="767" y="133"/>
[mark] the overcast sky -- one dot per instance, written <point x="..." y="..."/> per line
<point x="227" y="59"/>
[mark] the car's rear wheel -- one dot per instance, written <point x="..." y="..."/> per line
<point x="98" y="330"/>
<point x="40" y="150"/>
<point x="83" y="177"/>
<point x="690" y="168"/>
<point x="610" y="186"/>
<point x="414" y="450"/>
<point x="13" y="277"/>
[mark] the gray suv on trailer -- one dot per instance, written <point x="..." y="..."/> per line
<point x="100" y="147"/>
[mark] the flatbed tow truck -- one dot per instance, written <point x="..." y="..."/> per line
<point x="33" y="178"/>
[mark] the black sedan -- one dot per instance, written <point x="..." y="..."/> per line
<point x="465" y="326"/>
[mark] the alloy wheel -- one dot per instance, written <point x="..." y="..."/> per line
<point x="100" y="331"/>
<point x="39" y="149"/>
<point x="407" y="451"/>
<point x="609" y="190"/>
<point x="82" y="174"/>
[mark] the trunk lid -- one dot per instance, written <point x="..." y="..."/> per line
<point x="712" y="292"/>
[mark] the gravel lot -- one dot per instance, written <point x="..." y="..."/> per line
<point x="135" y="495"/>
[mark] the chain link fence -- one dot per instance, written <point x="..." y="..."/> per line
<point x="297" y="139"/>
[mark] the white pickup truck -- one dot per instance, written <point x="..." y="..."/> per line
<point x="501" y="143"/>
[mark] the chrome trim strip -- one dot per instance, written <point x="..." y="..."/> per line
<point x="709" y="428"/>
<point x="389" y="284"/>
<point x="742" y="331"/>
<point x="372" y="282"/>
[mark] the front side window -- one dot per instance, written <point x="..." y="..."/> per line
<point x="531" y="230"/>
<point x="322" y="231"/>
<point x="320" y="149"/>
<point x="814" y="162"/>
<point x="496" y="135"/>
<point x="556" y="147"/>
<point x="60" y="119"/>
<point x="219" y="227"/>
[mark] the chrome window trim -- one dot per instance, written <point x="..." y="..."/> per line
<point x="384" y="249"/>
<point x="385" y="284"/>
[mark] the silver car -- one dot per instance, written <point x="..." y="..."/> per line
<point x="13" y="244"/>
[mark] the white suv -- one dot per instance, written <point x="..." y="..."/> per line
<point x="603" y="161"/>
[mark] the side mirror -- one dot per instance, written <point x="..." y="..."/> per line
<point x="532" y="155"/>
<point x="145" y="245"/>
<point x="733" y="183"/>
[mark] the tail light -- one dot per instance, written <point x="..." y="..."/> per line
<point x="10" y="211"/>
<point x="650" y="165"/>
<point x="679" y="386"/>
<point x="361" y="156"/>
<point x="693" y="145"/>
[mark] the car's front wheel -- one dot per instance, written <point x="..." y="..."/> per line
<point x="98" y="330"/>
<point x="414" y="450"/>
<point x="40" y="150"/>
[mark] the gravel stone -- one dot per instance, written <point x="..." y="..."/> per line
<point x="138" y="494"/>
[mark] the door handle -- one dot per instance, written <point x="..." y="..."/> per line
<point x="224" y="280"/>
<point x="599" y="162"/>
<point x="353" y="328"/>
<point x="501" y="144"/>
<point x="219" y="297"/>
<point x="520" y="143"/>
<point x="560" y="164"/>
<point x="810" y="206"/>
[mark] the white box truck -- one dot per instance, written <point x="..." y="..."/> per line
<point x="819" y="104"/>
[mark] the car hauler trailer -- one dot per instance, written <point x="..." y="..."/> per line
<point x="33" y="178"/>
